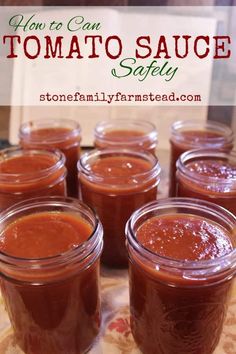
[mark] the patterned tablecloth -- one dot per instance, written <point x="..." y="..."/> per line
<point x="115" y="336"/>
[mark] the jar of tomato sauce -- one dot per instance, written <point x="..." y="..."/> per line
<point x="30" y="173"/>
<point x="126" y="133"/>
<point x="189" y="135"/>
<point x="115" y="183"/>
<point x="182" y="259"/>
<point x="209" y="175"/>
<point x="49" y="274"/>
<point x="63" y="134"/>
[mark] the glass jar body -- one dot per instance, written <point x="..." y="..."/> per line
<point x="62" y="134"/>
<point x="56" y="318"/>
<point x="54" y="306"/>
<point x="165" y="319"/>
<point x="18" y="187"/>
<point x="189" y="135"/>
<point x="217" y="190"/>
<point x="115" y="202"/>
<point x="126" y="133"/>
<point x="178" y="306"/>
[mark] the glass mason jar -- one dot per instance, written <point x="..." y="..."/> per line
<point x="30" y="173"/>
<point x="178" y="305"/>
<point x="189" y="135"/>
<point x="126" y="133"/>
<point x="53" y="302"/>
<point x="208" y="175"/>
<point x="63" y="134"/>
<point x="115" y="194"/>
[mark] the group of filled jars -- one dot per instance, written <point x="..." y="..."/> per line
<point x="50" y="246"/>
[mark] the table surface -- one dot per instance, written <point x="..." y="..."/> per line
<point x="115" y="336"/>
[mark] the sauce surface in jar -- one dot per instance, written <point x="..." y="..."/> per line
<point x="44" y="235"/>
<point x="211" y="177"/>
<point x="131" y="134"/>
<point x="191" y="135"/>
<point x="213" y="168"/>
<point x="120" y="135"/>
<point x="34" y="173"/>
<point x="60" y="311"/>
<point x="197" y="136"/>
<point x="180" y="310"/>
<point x="120" y="167"/>
<point x="26" y="164"/>
<point x="67" y="139"/>
<point x="50" y="134"/>
<point x="115" y="184"/>
<point x="184" y="238"/>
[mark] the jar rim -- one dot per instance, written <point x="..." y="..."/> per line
<point x="36" y="124"/>
<point x="198" y="154"/>
<point x="31" y="176"/>
<point x="80" y="251"/>
<point x="150" y="134"/>
<point x="96" y="153"/>
<point x="211" y="265"/>
<point x="179" y="126"/>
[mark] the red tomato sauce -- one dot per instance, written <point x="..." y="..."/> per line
<point x="26" y="164"/>
<point x="171" y="311"/>
<point x="184" y="238"/>
<point x="120" y="186"/>
<point x="134" y="139"/>
<point x="190" y="140"/>
<point x="57" y="138"/>
<point x="44" y="235"/>
<point x="30" y="175"/>
<point x="60" y="314"/>
<point x="211" y="179"/>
